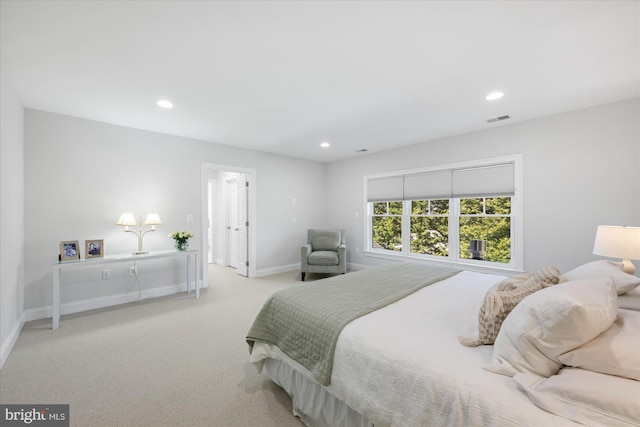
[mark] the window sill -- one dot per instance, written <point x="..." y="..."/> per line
<point x="491" y="269"/>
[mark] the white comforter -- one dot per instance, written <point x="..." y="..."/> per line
<point x="404" y="366"/>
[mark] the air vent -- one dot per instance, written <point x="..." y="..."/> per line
<point x="362" y="150"/>
<point x="497" y="119"/>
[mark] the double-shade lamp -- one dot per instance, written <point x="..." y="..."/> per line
<point x="618" y="242"/>
<point x="127" y="219"/>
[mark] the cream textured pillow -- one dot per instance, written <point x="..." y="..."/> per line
<point x="587" y="397"/>
<point x="623" y="282"/>
<point x="503" y="297"/>
<point x="552" y="322"/>
<point x="616" y="351"/>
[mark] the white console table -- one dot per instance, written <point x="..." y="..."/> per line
<point x="58" y="267"/>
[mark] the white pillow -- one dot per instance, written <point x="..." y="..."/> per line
<point x="586" y="397"/>
<point x="551" y="322"/>
<point x="624" y="282"/>
<point x="616" y="351"/>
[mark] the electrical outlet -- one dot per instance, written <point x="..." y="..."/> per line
<point x="189" y="218"/>
<point x="106" y="274"/>
<point x="5" y="306"/>
<point x="133" y="270"/>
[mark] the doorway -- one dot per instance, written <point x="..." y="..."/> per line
<point x="228" y="200"/>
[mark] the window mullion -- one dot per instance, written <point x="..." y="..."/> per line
<point x="406" y="227"/>
<point x="454" y="229"/>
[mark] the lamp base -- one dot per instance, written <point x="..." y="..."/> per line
<point x="628" y="267"/>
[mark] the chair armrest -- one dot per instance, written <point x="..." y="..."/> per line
<point x="305" y="250"/>
<point x="342" y="253"/>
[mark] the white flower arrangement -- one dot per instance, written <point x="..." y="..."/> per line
<point x="181" y="237"/>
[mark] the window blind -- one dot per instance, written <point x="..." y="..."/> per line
<point x="483" y="181"/>
<point x="428" y="185"/>
<point x="486" y="181"/>
<point x="385" y="189"/>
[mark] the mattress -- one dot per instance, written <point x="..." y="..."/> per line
<point x="403" y="365"/>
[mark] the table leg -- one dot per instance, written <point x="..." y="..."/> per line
<point x="188" y="266"/>
<point x="195" y="275"/>
<point x="55" y="320"/>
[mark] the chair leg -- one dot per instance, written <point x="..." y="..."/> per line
<point x="303" y="276"/>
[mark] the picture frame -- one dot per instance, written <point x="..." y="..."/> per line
<point x="69" y="250"/>
<point x="94" y="248"/>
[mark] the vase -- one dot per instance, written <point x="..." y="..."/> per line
<point x="182" y="246"/>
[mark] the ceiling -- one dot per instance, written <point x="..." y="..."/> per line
<point x="284" y="76"/>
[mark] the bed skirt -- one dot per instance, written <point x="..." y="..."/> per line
<point x="312" y="403"/>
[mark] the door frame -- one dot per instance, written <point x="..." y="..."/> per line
<point x="252" y="215"/>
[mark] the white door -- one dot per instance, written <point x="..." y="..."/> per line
<point x="242" y="265"/>
<point x="211" y="185"/>
<point x="232" y="222"/>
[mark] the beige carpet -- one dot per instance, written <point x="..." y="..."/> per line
<point x="172" y="361"/>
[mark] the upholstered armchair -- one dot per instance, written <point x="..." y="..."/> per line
<point x="325" y="252"/>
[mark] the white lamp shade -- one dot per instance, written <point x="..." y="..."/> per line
<point x="127" y="218"/>
<point x="617" y="242"/>
<point x="153" y="219"/>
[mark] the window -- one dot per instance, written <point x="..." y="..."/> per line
<point x="464" y="213"/>
<point x="387" y="225"/>
<point x="429" y="227"/>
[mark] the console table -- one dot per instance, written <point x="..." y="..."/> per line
<point x="58" y="267"/>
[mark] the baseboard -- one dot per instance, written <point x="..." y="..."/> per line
<point x="356" y="267"/>
<point x="277" y="270"/>
<point x="292" y="267"/>
<point x="95" y="303"/>
<point x="10" y="342"/>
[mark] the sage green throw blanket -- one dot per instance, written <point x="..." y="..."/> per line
<point x="305" y="321"/>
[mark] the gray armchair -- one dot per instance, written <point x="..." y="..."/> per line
<point x="325" y="252"/>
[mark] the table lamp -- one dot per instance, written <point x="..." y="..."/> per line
<point x="618" y="242"/>
<point x="127" y="220"/>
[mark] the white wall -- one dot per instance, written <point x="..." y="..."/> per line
<point x="581" y="169"/>
<point x="11" y="217"/>
<point x="81" y="175"/>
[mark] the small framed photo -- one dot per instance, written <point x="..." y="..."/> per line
<point x="69" y="250"/>
<point x="94" y="248"/>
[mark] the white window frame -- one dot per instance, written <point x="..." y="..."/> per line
<point x="517" y="243"/>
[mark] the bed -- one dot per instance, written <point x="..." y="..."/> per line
<point x="402" y="363"/>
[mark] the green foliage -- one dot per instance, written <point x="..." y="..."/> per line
<point x="471" y="206"/>
<point x="496" y="231"/>
<point x="387" y="228"/>
<point x="430" y="235"/>
<point x="480" y="218"/>
<point x="498" y="205"/>
<point x="387" y="232"/>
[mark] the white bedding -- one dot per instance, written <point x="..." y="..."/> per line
<point x="404" y="366"/>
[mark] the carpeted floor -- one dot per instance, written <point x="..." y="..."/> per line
<point x="172" y="361"/>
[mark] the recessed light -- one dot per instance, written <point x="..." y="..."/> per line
<point x="325" y="145"/>
<point x="494" y="95"/>
<point x="164" y="103"/>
